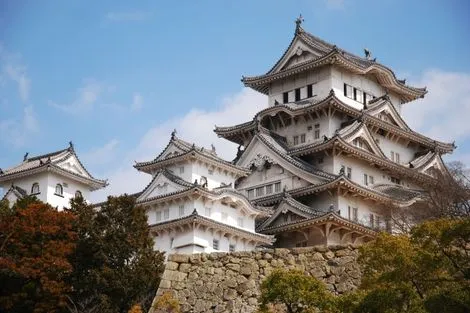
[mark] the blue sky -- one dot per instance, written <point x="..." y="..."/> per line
<point x="117" y="76"/>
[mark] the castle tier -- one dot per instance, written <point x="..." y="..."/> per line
<point x="191" y="203"/>
<point x="54" y="178"/>
<point x="331" y="153"/>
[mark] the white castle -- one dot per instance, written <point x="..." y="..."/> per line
<point x="319" y="165"/>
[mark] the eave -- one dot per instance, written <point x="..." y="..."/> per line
<point x="155" y="165"/>
<point x="195" y="221"/>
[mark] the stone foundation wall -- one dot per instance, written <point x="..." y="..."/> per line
<point x="229" y="282"/>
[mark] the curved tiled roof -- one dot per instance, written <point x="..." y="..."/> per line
<point x="397" y="191"/>
<point x="333" y="101"/>
<point x="194" y="217"/>
<point x="51" y="161"/>
<point x="189" y="150"/>
<point x="329" y="54"/>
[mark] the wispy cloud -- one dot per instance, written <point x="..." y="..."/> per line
<point x="16" y="132"/>
<point x="335" y="4"/>
<point x="195" y="126"/>
<point x="86" y="97"/>
<point x="137" y="102"/>
<point x="129" y="16"/>
<point x="101" y="155"/>
<point x="13" y="69"/>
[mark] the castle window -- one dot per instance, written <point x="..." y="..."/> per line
<point x="320" y="160"/>
<point x="397" y="157"/>
<point x="366" y="180"/>
<point x="35" y="189"/>
<point x="78" y="194"/>
<point x="309" y="91"/>
<point x="395" y="180"/>
<point x="297" y="94"/>
<point x="260" y="191"/>
<point x="377" y="221"/>
<point x="208" y="212"/>
<point x="181" y="209"/>
<point x="166" y="214"/>
<point x="355" y="214"/>
<point x="296" y="140"/>
<point x="215" y="244"/>
<point x="349" y="172"/>
<point x="302" y="138"/>
<point x="172" y="240"/>
<point x="301" y="244"/>
<point x="231" y="248"/>
<point x="285" y="97"/>
<point x="349" y="212"/>
<point x="240" y="222"/>
<point x="269" y="189"/>
<point x="210" y="172"/>
<point x="309" y="128"/>
<point x="317" y="131"/>
<point x="59" y="190"/>
<point x="371" y="180"/>
<point x="348" y="91"/>
<point x="392" y="155"/>
<point x="158" y="216"/>
<point x="251" y="193"/>
<point x="371" y="220"/>
<point x="277" y="187"/>
<point x="181" y="169"/>
<point x="367" y="97"/>
<point x="358" y="95"/>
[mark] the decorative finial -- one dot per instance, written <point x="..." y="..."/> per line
<point x="367" y="53"/>
<point x="25" y="157"/>
<point x="173" y="134"/>
<point x="71" y="144"/>
<point x="341" y="171"/>
<point x="325" y="138"/>
<point x="332" y="207"/>
<point x="213" y="147"/>
<point x="332" y="92"/>
<point x="453" y="145"/>
<point x="1" y="171"/>
<point x="298" y="22"/>
<point x="193" y="146"/>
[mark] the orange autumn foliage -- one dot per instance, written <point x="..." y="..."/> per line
<point x="35" y="241"/>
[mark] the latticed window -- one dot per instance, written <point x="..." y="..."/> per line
<point x="317" y="131"/>
<point x="302" y="138"/>
<point x="215" y="244"/>
<point x="251" y="193"/>
<point x="348" y="91"/>
<point x="59" y="190"/>
<point x="358" y="95"/>
<point x="277" y="187"/>
<point x="158" y="216"/>
<point x="208" y="212"/>
<point x="355" y="214"/>
<point x="348" y="172"/>
<point x="35" y="189"/>
<point x="181" y="209"/>
<point x="269" y="189"/>
<point x="296" y="140"/>
<point x="260" y="191"/>
<point x="166" y="214"/>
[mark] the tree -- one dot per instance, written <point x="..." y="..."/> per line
<point x="114" y="263"/>
<point x="166" y="303"/>
<point x="426" y="271"/>
<point x="296" y="291"/>
<point x="36" y="241"/>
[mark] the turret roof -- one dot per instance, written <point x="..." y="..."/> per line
<point x="326" y="53"/>
<point x="53" y="162"/>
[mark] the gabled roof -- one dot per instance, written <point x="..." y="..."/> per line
<point x="18" y="192"/>
<point x="331" y="101"/>
<point x="64" y="162"/>
<point x="195" y="218"/>
<point x="383" y="105"/>
<point x="320" y="53"/>
<point x="215" y="194"/>
<point x="164" y="177"/>
<point x="424" y="162"/>
<point x="178" y="150"/>
<point x="322" y="219"/>
<point x="278" y="152"/>
<point x="358" y="130"/>
<point x="289" y="204"/>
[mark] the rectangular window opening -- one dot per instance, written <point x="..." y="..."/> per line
<point x="297" y="94"/>
<point x="285" y="97"/>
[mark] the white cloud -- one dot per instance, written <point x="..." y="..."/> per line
<point x="137" y="102"/>
<point x="13" y="69"/>
<point x="86" y="97"/>
<point x="131" y="16"/>
<point x="17" y="131"/>
<point x="444" y="111"/>
<point x="195" y="126"/>
<point x="335" y="4"/>
<point x="101" y="155"/>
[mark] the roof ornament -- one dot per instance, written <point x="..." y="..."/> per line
<point x="25" y="157"/>
<point x="332" y="92"/>
<point x="341" y="171"/>
<point x="195" y="182"/>
<point x="1" y="171"/>
<point x="325" y="138"/>
<point x="367" y="54"/>
<point x="173" y="134"/>
<point x="193" y="146"/>
<point x="298" y="22"/>
<point x="213" y="148"/>
<point x="332" y="207"/>
<point x="70" y="145"/>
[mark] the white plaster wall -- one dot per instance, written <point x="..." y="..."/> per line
<point x="322" y="202"/>
<point x="68" y="192"/>
<point x="319" y="77"/>
<point x="407" y="154"/>
<point x="214" y="179"/>
<point x="365" y="208"/>
<point x="27" y="182"/>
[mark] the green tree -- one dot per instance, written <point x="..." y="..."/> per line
<point x="426" y="271"/>
<point x="114" y="263"/>
<point x="296" y="291"/>
<point x="35" y="243"/>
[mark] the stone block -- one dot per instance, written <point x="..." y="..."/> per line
<point x="178" y="258"/>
